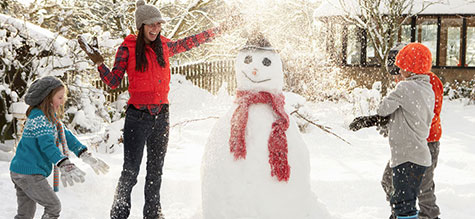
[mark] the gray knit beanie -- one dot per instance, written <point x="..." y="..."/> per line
<point x="40" y="88"/>
<point x="146" y="14"/>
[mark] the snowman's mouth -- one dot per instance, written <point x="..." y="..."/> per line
<point x="254" y="81"/>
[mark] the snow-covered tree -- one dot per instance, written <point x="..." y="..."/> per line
<point x="28" y="52"/>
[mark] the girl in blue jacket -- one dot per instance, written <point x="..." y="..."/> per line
<point x="46" y="143"/>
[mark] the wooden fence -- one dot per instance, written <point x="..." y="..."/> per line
<point x="206" y="75"/>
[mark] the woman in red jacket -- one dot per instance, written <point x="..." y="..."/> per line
<point x="145" y="58"/>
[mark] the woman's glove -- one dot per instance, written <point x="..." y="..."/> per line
<point x="96" y="164"/>
<point x="91" y="50"/>
<point x="70" y="173"/>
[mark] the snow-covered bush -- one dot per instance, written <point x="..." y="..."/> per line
<point x="86" y="109"/>
<point x="457" y="90"/>
<point x="365" y="101"/>
<point x="27" y="52"/>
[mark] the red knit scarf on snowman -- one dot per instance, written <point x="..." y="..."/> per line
<point x="277" y="143"/>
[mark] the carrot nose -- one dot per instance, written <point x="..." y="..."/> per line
<point x="254" y="72"/>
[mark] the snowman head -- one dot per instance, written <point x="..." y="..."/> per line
<point x="259" y="67"/>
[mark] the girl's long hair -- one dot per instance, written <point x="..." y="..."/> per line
<point x="47" y="105"/>
<point x="141" y="59"/>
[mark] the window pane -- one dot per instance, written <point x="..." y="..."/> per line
<point x="470" y="56"/>
<point x="406" y="33"/>
<point x="450" y="42"/>
<point x="427" y="34"/>
<point x="338" y="44"/>
<point x="371" y="58"/>
<point x="353" y="50"/>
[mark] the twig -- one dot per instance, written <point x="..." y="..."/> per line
<point x="193" y="120"/>
<point x="319" y="126"/>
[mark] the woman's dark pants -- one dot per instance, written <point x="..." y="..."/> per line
<point x="142" y="128"/>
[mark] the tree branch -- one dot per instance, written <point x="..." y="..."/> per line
<point x="325" y="129"/>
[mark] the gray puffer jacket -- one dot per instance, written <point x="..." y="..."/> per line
<point x="411" y="108"/>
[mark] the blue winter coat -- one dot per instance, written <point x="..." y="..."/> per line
<point x="37" y="151"/>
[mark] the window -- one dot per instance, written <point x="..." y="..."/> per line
<point x="406" y="31"/>
<point x="470" y="55"/>
<point x="353" y="49"/>
<point x="450" y="42"/>
<point x="427" y="34"/>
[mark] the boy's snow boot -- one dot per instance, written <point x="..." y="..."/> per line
<point x="416" y="216"/>
<point x="161" y="215"/>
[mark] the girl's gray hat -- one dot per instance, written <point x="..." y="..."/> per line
<point x="40" y="88"/>
<point x="146" y="14"/>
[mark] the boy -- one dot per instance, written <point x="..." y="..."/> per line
<point x="410" y="109"/>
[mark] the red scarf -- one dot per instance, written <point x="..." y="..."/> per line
<point x="277" y="143"/>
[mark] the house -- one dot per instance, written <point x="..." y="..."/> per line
<point x="446" y="27"/>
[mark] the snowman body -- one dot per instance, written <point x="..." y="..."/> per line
<point x="244" y="188"/>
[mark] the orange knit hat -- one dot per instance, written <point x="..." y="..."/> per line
<point x="415" y="58"/>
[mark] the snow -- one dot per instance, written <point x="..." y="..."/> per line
<point x="346" y="178"/>
<point x="333" y="7"/>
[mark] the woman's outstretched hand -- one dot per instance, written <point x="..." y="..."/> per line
<point x="92" y="51"/>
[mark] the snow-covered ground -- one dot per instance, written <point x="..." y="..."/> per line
<point x="346" y="178"/>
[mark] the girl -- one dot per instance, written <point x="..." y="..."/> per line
<point x="46" y="142"/>
<point x="145" y="57"/>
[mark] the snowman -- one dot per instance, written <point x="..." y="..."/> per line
<point x="255" y="163"/>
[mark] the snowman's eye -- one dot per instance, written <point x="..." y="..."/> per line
<point x="266" y="62"/>
<point x="248" y="59"/>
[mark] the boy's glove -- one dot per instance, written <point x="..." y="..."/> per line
<point x="368" y="121"/>
<point x="70" y="173"/>
<point x="91" y="50"/>
<point x="383" y="130"/>
<point x="96" y="164"/>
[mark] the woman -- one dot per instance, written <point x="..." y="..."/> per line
<point x="145" y="58"/>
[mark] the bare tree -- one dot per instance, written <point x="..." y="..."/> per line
<point x="381" y="20"/>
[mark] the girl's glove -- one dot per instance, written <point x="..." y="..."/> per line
<point x="96" y="164"/>
<point x="92" y="51"/>
<point x="70" y="173"/>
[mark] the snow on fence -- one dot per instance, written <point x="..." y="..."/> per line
<point x="206" y="75"/>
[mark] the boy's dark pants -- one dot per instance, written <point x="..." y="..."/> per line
<point x="406" y="181"/>
<point x="427" y="200"/>
<point x="141" y="127"/>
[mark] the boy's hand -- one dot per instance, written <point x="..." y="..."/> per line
<point x="96" y="164"/>
<point x="92" y="51"/>
<point x="368" y="121"/>
<point x="357" y="123"/>
<point x="70" y="173"/>
<point x="383" y="130"/>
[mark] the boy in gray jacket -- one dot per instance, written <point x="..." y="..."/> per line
<point x="410" y="109"/>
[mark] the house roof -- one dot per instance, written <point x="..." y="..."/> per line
<point x="443" y="7"/>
